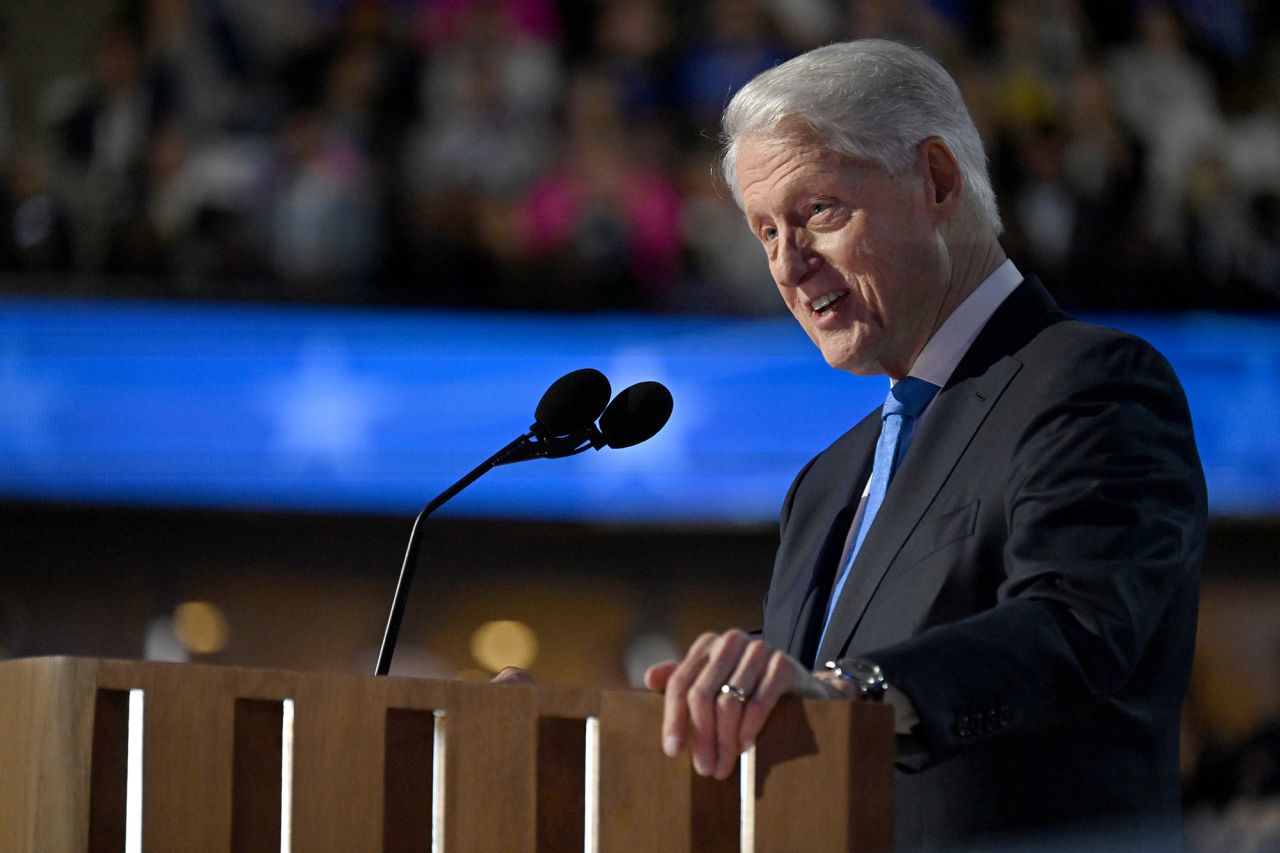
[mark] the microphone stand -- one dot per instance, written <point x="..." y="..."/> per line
<point x="528" y="446"/>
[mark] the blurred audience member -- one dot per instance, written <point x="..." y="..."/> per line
<point x="725" y="270"/>
<point x="442" y="22"/>
<point x="200" y="51"/>
<point x="601" y="228"/>
<point x="102" y="124"/>
<point x="6" y="95"/>
<point x="1101" y="163"/>
<point x="204" y="209"/>
<point x="35" y="230"/>
<point x="916" y="22"/>
<point x="635" y="46"/>
<point x="487" y="99"/>
<point x="738" y="40"/>
<point x="325" y="228"/>
<point x="1166" y="97"/>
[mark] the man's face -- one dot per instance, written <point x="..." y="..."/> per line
<point x="856" y="253"/>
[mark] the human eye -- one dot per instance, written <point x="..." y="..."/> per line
<point x="825" y="213"/>
<point x="768" y="233"/>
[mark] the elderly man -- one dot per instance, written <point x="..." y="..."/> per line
<point x="1008" y="550"/>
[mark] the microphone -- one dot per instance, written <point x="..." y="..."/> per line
<point x="573" y="402"/>
<point x="636" y="414"/>
<point x="564" y="425"/>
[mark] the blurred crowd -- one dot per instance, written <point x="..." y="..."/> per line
<point x="558" y="154"/>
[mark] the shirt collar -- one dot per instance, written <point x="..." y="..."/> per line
<point x="940" y="356"/>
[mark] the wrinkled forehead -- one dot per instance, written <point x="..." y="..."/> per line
<point x="791" y="130"/>
<point x="794" y="138"/>
<point x="773" y="164"/>
<point x="791" y="134"/>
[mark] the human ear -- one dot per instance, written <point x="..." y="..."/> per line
<point x="945" y="184"/>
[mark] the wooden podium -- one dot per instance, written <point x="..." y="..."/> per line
<point x="385" y="763"/>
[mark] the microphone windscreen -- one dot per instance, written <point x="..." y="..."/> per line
<point x="572" y="403"/>
<point x="636" y="414"/>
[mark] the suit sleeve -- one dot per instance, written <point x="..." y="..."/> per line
<point x="1105" y="509"/>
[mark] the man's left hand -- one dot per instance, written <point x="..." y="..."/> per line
<point x="716" y="725"/>
<point x="512" y="675"/>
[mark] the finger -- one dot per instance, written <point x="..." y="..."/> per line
<point x="674" y="707"/>
<point x="722" y="659"/>
<point x="730" y="709"/>
<point x="512" y="675"/>
<point x="656" y="676"/>
<point x="782" y="674"/>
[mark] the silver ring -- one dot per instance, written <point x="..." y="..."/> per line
<point x="733" y="690"/>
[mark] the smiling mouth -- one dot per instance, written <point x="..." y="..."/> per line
<point x="823" y="304"/>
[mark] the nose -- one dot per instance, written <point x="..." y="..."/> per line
<point x="793" y="260"/>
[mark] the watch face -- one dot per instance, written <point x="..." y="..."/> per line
<point x="863" y="675"/>
<point x="866" y="675"/>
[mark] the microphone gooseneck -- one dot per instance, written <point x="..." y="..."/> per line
<point x="564" y="425"/>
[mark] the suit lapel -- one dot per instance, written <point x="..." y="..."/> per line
<point x="817" y="532"/>
<point x="807" y="621"/>
<point x="971" y="394"/>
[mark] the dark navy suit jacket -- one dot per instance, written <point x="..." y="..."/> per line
<point x="1030" y="581"/>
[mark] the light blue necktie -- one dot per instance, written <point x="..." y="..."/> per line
<point x="907" y="399"/>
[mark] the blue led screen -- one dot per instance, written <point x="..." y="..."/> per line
<point x="377" y="410"/>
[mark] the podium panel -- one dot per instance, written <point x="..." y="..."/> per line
<point x="246" y="759"/>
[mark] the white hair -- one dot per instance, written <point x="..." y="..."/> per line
<point x="869" y="98"/>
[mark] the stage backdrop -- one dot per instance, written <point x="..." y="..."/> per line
<point x="376" y="410"/>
